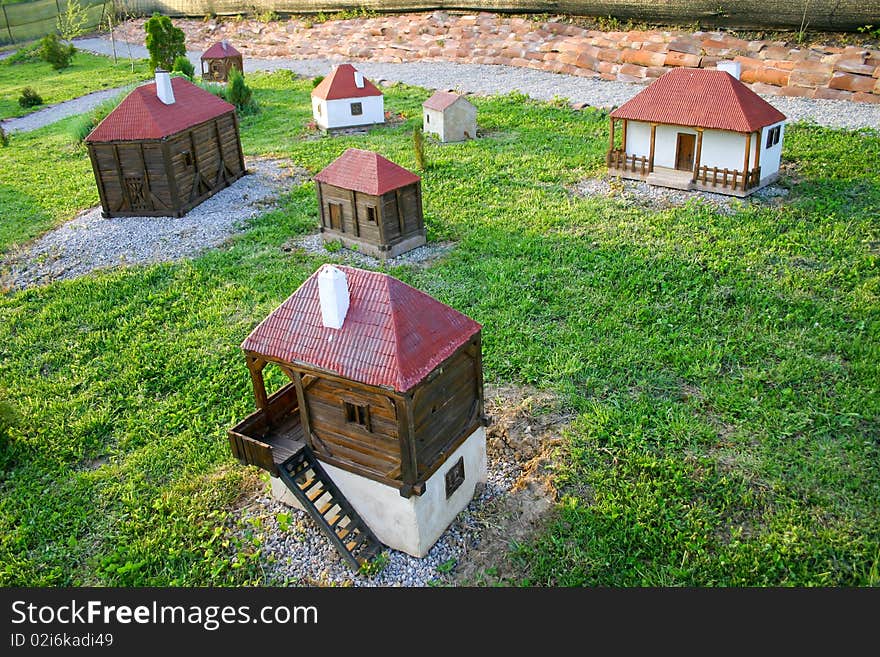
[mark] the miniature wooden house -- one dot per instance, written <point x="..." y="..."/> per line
<point x="219" y="60"/>
<point x="450" y="116"/>
<point x="698" y="129"/>
<point x="385" y="398"/>
<point x="369" y="203"/>
<point x="166" y="147"/>
<point x="346" y="99"/>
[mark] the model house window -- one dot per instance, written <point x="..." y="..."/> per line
<point x="773" y="136"/>
<point x="371" y="214"/>
<point x="187" y="159"/>
<point x="356" y="109"/>
<point x="319" y="109"/>
<point x="357" y="414"/>
<point x="427" y="118"/>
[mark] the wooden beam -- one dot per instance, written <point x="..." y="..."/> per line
<point x="304" y="417"/>
<point x="699" y="155"/>
<point x="409" y="466"/>
<point x="380" y="219"/>
<point x="255" y="367"/>
<point x="354" y="214"/>
<point x="746" y="160"/>
<point x="148" y="192"/>
<point x="122" y="185"/>
<point x="321" y="213"/>
<point x="623" y="137"/>
<point x="400" y="220"/>
<point x="176" y="205"/>
<point x="758" y="151"/>
<point x="651" y="154"/>
<point x="611" y="136"/>
<point x="238" y="142"/>
<point x="99" y="179"/>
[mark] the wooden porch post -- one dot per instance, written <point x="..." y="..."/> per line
<point x="611" y="137"/>
<point x="255" y="367"/>
<point x="757" y="152"/>
<point x="746" y="160"/>
<point x="409" y="468"/>
<point x="623" y="137"/>
<point x="651" y="154"/>
<point x="304" y="418"/>
<point x="697" y="159"/>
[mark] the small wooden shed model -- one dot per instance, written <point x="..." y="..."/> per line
<point x="698" y="129"/>
<point x="379" y="434"/>
<point x="450" y="116"/>
<point x="219" y="60"/>
<point x="370" y="203"/>
<point x="166" y="147"/>
<point x="346" y="99"/>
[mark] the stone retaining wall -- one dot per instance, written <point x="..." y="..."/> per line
<point x="769" y="67"/>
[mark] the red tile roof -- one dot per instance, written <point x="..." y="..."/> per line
<point x="218" y="51"/>
<point x="393" y="334"/>
<point x="366" y="172"/>
<point x="141" y="115"/>
<point x="441" y="100"/>
<point x="340" y="84"/>
<point x="700" y="98"/>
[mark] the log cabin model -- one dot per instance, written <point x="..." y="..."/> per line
<point x="168" y="146"/>
<point x="698" y="129"/>
<point x="371" y="204"/>
<point x="380" y="434"/>
<point x="450" y="116"/>
<point x="346" y="99"/>
<point x="219" y="60"/>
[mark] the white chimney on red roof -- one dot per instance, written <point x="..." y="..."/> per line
<point x="163" y="87"/>
<point x="333" y="293"/>
<point x="359" y="79"/>
<point x="225" y="45"/>
<point x="734" y="68"/>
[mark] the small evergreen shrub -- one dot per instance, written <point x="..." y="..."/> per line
<point x="239" y="94"/>
<point x="183" y="66"/>
<point x="164" y="42"/>
<point x="29" y="98"/>
<point x="4" y="140"/>
<point x="419" y="147"/>
<point x="318" y="80"/>
<point x="55" y="52"/>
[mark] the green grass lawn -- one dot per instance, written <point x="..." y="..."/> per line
<point x="86" y="74"/>
<point x="724" y="368"/>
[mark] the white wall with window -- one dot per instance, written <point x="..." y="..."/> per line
<point x="348" y="112"/>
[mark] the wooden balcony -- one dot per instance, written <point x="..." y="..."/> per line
<point x="268" y="437"/>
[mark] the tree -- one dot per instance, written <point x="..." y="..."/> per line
<point x="55" y="52"/>
<point x="164" y="41"/>
<point x="184" y="66"/>
<point x="72" y="21"/>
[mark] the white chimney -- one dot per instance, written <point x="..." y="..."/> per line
<point x="224" y="44"/>
<point x="333" y="292"/>
<point x="359" y="79"/>
<point x="163" y="87"/>
<point x="734" y="68"/>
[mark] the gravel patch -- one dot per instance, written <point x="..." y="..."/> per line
<point x="540" y="85"/>
<point x="423" y="255"/>
<point x="53" y="113"/>
<point x="90" y="242"/>
<point x="639" y="192"/>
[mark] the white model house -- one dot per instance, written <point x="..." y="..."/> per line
<point x="450" y="116"/>
<point x="698" y="129"/>
<point x="346" y="99"/>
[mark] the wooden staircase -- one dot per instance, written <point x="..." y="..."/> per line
<point x="319" y="496"/>
<point x="673" y="178"/>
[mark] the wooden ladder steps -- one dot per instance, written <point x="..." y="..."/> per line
<point x="325" y="503"/>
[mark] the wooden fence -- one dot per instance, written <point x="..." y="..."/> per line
<point x="24" y="21"/>
<point x="840" y="15"/>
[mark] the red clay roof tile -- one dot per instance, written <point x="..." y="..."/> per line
<point x="393" y="334"/>
<point x="366" y="172"/>
<point x="340" y="84"/>
<point x="141" y="115"/>
<point x="703" y="99"/>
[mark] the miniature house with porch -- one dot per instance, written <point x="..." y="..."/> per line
<point x="346" y="99"/>
<point x="698" y="129"/>
<point x="166" y="147"/>
<point x="450" y="116"/>
<point x="379" y="434"/>
<point x="219" y="60"/>
<point x="369" y="203"/>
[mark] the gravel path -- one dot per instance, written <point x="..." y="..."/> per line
<point x="54" y="113"/>
<point x="478" y="79"/>
<point x="91" y="242"/>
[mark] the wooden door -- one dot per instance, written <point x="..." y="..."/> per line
<point x="336" y="216"/>
<point x="684" y="152"/>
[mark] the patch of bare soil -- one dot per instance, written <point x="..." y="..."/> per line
<point x="525" y="429"/>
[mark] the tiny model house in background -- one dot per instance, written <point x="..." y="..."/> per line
<point x="379" y="435"/>
<point x="450" y="116"/>
<point x="166" y="147"/>
<point x="371" y="204"/>
<point x="346" y="99"/>
<point x="219" y="60"/>
<point x="698" y="129"/>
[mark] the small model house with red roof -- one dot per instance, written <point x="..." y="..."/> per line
<point x="379" y="435"/>
<point x="219" y="60"/>
<point x="698" y="129"/>
<point x="371" y="204"/>
<point x="450" y="116"/>
<point x="166" y="147"/>
<point x="346" y="99"/>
